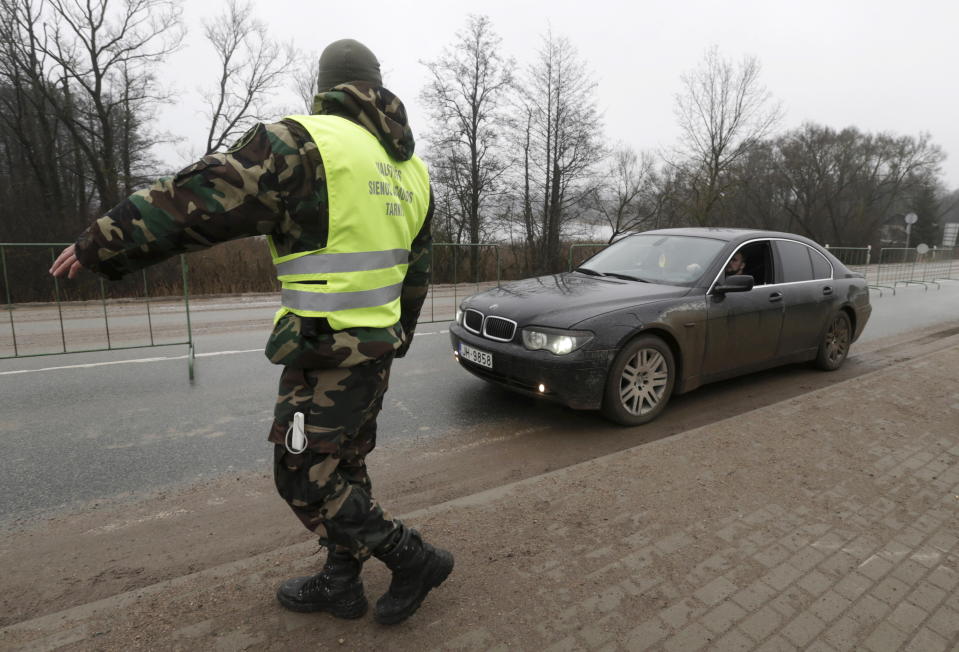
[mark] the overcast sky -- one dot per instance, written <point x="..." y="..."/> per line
<point x="874" y="64"/>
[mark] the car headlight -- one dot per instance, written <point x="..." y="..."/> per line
<point x="459" y="316"/>
<point x="555" y="341"/>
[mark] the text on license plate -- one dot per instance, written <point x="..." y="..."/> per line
<point x="475" y="355"/>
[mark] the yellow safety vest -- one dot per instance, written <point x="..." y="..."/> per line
<point x="377" y="205"/>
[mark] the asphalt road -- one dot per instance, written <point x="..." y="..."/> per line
<point x="83" y="427"/>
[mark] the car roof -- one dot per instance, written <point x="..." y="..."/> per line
<point x="729" y="235"/>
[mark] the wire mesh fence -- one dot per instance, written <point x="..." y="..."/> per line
<point x="457" y="271"/>
<point x="46" y="316"/>
<point x="896" y="266"/>
<point x="941" y="265"/>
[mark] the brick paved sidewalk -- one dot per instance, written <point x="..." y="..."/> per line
<point x="826" y="522"/>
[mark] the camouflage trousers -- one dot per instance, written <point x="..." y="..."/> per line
<point x="327" y="485"/>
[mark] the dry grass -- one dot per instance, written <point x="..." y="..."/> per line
<point x="237" y="267"/>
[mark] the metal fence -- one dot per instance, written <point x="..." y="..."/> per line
<point x="902" y="266"/>
<point x="941" y="264"/>
<point x="458" y="270"/>
<point x="41" y="301"/>
<point x="897" y="266"/>
<point x="462" y="269"/>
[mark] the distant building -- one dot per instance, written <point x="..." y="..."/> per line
<point x="950" y="233"/>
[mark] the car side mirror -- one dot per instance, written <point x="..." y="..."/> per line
<point x="737" y="283"/>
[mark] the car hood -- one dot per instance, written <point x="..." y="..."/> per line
<point x="563" y="300"/>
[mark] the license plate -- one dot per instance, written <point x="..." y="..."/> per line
<point x="481" y="358"/>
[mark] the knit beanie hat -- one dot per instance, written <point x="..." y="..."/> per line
<point x="345" y="61"/>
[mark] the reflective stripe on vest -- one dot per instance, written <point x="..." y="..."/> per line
<point x="377" y="205"/>
<point x="350" y="262"/>
<point x="298" y="300"/>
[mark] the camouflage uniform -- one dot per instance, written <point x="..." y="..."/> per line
<point x="272" y="181"/>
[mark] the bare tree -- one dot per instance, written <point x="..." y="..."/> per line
<point x="251" y="65"/>
<point x="305" y="79"/>
<point x="723" y="112"/>
<point x="464" y="95"/>
<point x="32" y="136"/>
<point x="627" y="200"/>
<point x="561" y="142"/>
<point x="98" y="47"/>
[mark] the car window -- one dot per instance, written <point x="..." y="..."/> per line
<point x="753" y="259"/>
<point x="820" y="266"/>
<point x="795" y="261"/>
<point x="670" y="259"/>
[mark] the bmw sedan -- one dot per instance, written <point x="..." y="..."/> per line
<point x="661" y="313"/>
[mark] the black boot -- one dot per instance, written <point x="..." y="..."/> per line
<point x="337" y="589"/>
<point x="417" y="568"/>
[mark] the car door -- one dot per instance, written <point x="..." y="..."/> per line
<point x="742" y="328"/>
<point x="808" y="296"/>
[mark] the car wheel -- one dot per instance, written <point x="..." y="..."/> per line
<point x="834" y="346"/>
<point x="640" y="381"/>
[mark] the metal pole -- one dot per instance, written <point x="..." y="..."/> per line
<point x="455" y="302"/>
<point x="186" y="298"/>
<point x="146" y="294"/>
<point x="106" y="321"/>
<point x="186" y="302"/>
<point x="6" y="285"/>
<point x="56" y="294"/>
<point x="431" y="285"/>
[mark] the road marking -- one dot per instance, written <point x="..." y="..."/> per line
<point x="90" y="365"/>
<point x="137" y="360"/>
<point x="210" y="355"/>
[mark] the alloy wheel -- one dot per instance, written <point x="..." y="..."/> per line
<point x="837" y="340"/>
<point x="644" y="380"/>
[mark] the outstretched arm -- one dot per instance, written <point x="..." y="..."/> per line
<point x="221" y="197"/>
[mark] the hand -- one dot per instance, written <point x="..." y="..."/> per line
<point x="66" y="263"/>
<point x="404" y="347"/>
<point x="405" y="343"/>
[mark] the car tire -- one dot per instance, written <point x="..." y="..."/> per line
<point x="640" y="381"/>
<point x="834" y="346"/>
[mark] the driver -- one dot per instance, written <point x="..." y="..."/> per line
<point x="736" y="264"/>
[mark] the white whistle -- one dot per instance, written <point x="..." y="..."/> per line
<point x="298" y="434"/>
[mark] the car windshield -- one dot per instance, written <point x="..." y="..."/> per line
<point x="670" y="259"/>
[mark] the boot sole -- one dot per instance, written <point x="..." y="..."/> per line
<point x="440" y="572"/>
<point x="350" y="610"/>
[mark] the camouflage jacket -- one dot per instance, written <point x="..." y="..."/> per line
<point x="271" y="182"/>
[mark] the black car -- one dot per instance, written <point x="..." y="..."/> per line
<point x="663" y="312"/>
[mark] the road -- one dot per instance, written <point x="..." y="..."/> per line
<point x="89" y="426"/>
